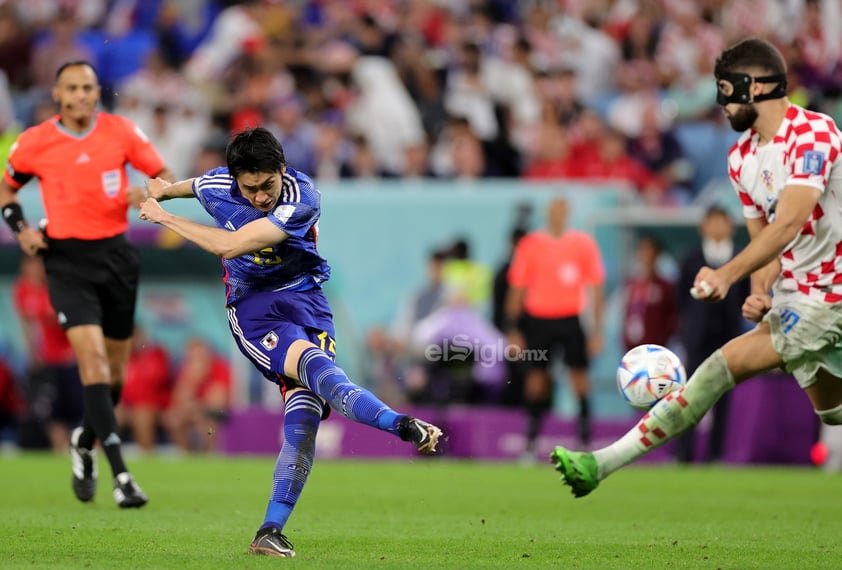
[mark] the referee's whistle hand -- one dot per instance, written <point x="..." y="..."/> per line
<point x="32" y="240"/>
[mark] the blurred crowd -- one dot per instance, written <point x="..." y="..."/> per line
<point x="538" y="89"/>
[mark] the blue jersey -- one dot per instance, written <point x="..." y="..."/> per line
<point x="291" y="265"/>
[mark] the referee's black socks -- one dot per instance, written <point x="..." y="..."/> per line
<point x="99" y="414"/>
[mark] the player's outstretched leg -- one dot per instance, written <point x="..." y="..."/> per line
<point x="319" y="373"/>
<point x="578" y="470"/>
<point x="670" y="417"/>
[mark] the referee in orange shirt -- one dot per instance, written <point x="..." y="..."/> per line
<point x="553" y="272"/>
<point x="79" y="158"/>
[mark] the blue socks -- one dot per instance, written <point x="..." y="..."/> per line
<point x="302" y="414"/>
<point x="321" y="375"/>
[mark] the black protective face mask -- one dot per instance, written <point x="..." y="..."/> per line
<point x="736" y="88"/>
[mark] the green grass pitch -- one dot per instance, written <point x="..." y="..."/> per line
<point x="424" y="514"/>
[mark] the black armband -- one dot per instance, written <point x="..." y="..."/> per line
<point x="13" y="214"/>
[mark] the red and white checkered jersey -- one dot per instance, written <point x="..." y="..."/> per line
<point x="806" y="151"/>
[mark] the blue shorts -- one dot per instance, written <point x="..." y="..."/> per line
<point x="266" y="323"/>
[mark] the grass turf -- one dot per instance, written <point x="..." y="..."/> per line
<point x="425" y="513"/>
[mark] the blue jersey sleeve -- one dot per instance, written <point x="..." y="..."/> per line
<point x="211" y="181"/>
<point x="298" y="208"/>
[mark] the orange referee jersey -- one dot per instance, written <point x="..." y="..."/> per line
<point x="83" y="177"/>
<point x="556" y="272"/>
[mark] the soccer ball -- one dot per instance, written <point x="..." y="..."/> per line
<point x="647" y="373"/>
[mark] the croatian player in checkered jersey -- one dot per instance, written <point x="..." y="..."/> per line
<point x="267" y="215"/>
<point x="787" y="171"/>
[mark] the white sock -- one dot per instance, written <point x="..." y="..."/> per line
<point x="670" y="417"/>
<point x="831" y="417"/>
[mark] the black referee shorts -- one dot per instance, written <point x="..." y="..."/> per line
<point x="549" y="334"/>
<point x="94" y="282"/>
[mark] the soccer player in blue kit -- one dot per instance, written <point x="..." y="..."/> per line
<point x="267" y="215"/>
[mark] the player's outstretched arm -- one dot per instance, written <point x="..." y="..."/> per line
<point x="161" y="189"/>
<point x="252" y="237"/>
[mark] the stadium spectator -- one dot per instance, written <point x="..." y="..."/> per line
<point x="467" y="95"/>
<point x="685" y="38"/>
<point x="512" y="391"/>
<point x="650" y="314"/>
<point x="147" y="391"/>
<point x="267" y="212"/>
<point x="361" y="162"/>
<point x="613" y="162"/>
<point x="54" y="388"/>
<point x="201" y="397"/>
<point x="60" y="42"/>
<point x="550" y="156"/>
<point x="383" y="112"/>
<point x="92" y="270"/>
<point x="458" y="152"/>
<point x="556" y="89"/>
<point x="817" y="47"/>
<point x="423" y="302"/>
<point x="394" y="349"/>
<point x="9" y="125"/>
<point x="556" y="275"/>
<point x="15" y="47"/>
<point x="704" y="327"/>
<point x="236" y="29"/>
<point x="459" y="351"/>
<point x="295" y="131"/>
<point x="13" y="405"/>
<point x="461" y="272"/>
<point x="793" y="215"/>
<point x="660" y="151"/>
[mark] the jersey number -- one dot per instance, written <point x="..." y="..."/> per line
<point x="327" y="344"/>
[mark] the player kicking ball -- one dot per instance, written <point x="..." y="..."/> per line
<point x="267" y="215"/>
<point x="787" y="171"/>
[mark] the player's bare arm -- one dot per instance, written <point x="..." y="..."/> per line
<point x="160" y="188"/>
<point x="759" y="300"/>
<point x="795" y="204"/>
<point x="251" y="237"/>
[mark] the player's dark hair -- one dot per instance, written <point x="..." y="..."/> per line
<point x="74" y="63"/>
<point x="750" y="53"/>
<point x="254" y="150"/>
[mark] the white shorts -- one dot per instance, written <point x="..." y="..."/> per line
<point x="808" y="336"/>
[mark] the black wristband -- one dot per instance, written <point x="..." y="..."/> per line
<point x="13" y="214"/>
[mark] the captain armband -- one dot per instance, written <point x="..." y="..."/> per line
<point x="13" y="214"/>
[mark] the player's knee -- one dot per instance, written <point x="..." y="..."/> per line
<point x="831" y="417"/>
